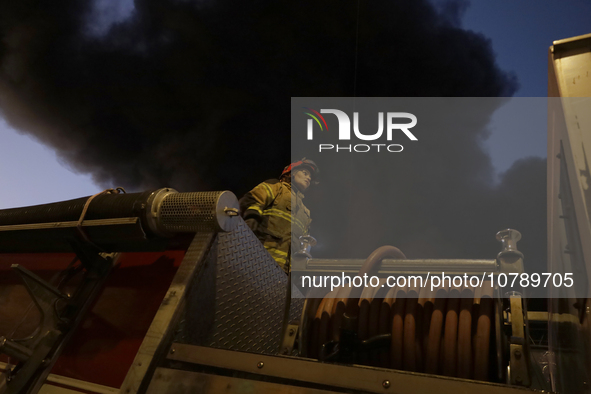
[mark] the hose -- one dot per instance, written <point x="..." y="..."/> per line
<point x="443" y="331"/>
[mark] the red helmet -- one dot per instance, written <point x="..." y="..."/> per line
<point x="309" y="164"/>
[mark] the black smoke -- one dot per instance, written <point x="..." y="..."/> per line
<point x="196" y="95"/>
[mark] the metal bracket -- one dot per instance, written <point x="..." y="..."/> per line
<point x="519" y="355"/>
<point x="60" y="314"/>
<point x="291" y="335"/>
<point x="45" y="296"/>
<point x="302" y="372"/>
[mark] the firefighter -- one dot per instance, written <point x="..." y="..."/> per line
<point x="275" y="207"/>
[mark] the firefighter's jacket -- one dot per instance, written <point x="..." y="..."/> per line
<point x="270" y="205"/>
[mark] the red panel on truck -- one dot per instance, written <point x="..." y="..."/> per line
<point x="108" y="338"/>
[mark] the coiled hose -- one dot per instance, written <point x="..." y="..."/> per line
<point x="445" y="331"/>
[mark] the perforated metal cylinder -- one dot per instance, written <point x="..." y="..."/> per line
<point x="174" y="212"/>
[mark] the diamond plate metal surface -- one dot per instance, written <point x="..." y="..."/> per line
<point x="296" y="306"/>
<point x="238" y="300"/>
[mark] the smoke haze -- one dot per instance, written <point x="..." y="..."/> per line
<point x="196" y="96"/>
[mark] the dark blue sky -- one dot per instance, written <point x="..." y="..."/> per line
<point x="522" y="30"/>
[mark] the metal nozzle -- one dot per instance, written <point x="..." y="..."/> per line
<point x="306" y="243"/>
<point x="508" y="239"/>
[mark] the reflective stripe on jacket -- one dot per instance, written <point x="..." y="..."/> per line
<point x="270" y="205"/>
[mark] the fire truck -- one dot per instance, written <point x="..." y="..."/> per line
<point x="169" y="292"/>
